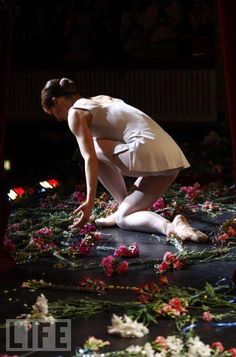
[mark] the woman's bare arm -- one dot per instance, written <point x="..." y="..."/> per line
<point x="78" y="121"/>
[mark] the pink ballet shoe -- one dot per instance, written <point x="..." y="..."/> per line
<point x="186" y="232"/>
<point x="108" y="221"/>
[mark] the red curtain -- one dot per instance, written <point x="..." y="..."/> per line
<point x="5" y="54"/>
<point x="227" y="23"/>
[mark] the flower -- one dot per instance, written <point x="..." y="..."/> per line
<point x="112" y="266"/>
<point x="170" y="261"/>
<point x="130" y="251"/>
<point x="126" y="327"/>
<point x="87" y="229"/>
<point x="83" y="248"/>
<point x="134" y="349"/>
<point x="160" y="341"/>
<point x="223" y="236"/>
<point x="38" y="313"/>
<point x="41" y="245"/>
<point x="208" y="206"/>
<point x="123" y="267"/>
<point x="207" y="316"/>
<point x="217" y="346"/>
<point x="45" y="231"/>
<point x="232" y="351"/>
<point x="174" y="307"/>
<point x="175" y="346"/>
<point x="78" y="196"/>
<point x="231" y="231"/>
<point x="40" y="310"/>
<point x="196" y="348"/>
<point x="192" y="192"/>
<point x="163" y="280"/>
<point x="93" y="284"/>
<point x="147" y="292"/>
<point x="159" y="204"/>
<point x="95" y="344"/>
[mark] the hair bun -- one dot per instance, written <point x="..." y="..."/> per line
<point x="65" y="81"/>
<point x="68" y="86"/>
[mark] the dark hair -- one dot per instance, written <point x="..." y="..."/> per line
<point x="57" y="88"/>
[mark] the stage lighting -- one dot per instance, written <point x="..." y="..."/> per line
<point x="15" y="192"/>
<point x="51" y="183"/>
<point x="12" y="195"/>
<point x="7" y="165"/>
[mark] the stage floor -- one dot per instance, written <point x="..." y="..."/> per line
<point x="16" y="300"/>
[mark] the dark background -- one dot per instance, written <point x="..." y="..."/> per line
<point x="65" y="37"/>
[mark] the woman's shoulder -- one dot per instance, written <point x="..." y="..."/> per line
<point x="105" y="99"/>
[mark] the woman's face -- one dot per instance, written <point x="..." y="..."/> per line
<point x="59" y="109"/>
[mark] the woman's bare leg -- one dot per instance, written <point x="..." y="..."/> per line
<point x="110" y="177"/>
<point x="132" y="213"/>
<point x="133" y="208"/>
<point x="109" y="174"/>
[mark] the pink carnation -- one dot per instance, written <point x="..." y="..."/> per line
<point x="207" y="316"/>
<point x="170" y="261"/>
<point x="217" y="346"/>
<point x="83" y="249"/>
<point x="88" y="228"/>
<point x="223" y="236"/>
<point x="161" y="341"/>
<point x="191" y="192"/>
<point x="176" y="304"/>
<point x="123" y="267"/>
<point x="232" y="351"/>
<point x="45" y="231"/>
<point x="78" y="196"/>
<point x="128" y="252"/>
<point x="159" y="204"/>
<point x="112" y="266"/>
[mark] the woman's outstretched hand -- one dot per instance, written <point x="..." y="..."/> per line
<point x="84" y="211"/>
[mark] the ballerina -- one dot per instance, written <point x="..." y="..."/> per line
<point x="117" y="140"/>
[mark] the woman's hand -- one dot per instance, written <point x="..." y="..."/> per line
<point x="84" y="211"/>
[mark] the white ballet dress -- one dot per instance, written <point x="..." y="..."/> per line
<point x="151" y="149"/>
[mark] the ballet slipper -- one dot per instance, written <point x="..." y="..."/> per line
<point x="186" y="232"/>
<point x="108" y="221"/>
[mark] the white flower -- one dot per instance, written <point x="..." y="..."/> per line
<point x="126" y="327"/>
<point x="38" y="314"/>
<point x="41" y="305"/>
<point x="134" y="349"/>
<point x="175" y="346"/>
<point x="149" y="352"/>
<point x="197" y="348"/>
<point x="163" y="354"/>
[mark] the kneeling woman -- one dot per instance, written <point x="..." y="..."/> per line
<point x="116" y="140"/>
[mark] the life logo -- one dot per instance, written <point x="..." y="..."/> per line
<point x="38" y="336"/>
